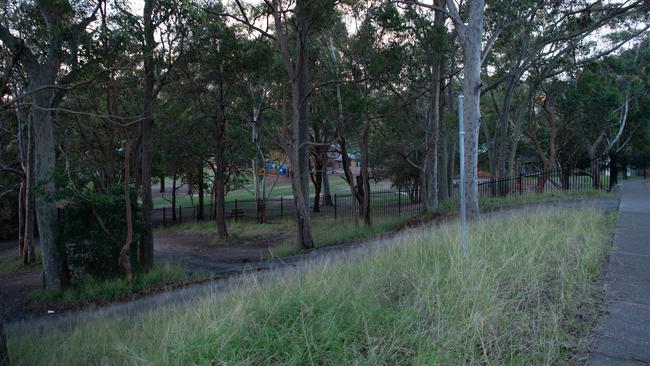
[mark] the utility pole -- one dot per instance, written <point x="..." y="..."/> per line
<point x="463" y="215"/>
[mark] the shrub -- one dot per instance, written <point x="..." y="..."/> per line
<point x="90" y="248"/>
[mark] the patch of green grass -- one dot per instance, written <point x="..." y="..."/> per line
<point x="281" y="190"/>
<point x="15" y="264"/>
<point x="332" y="231"/>
<point x="91" y="290"/>
<point x="491" y="202"/>
<point x="527" y="294"/>
<point x="451" y="206"/>
<point x="328" y="231"/>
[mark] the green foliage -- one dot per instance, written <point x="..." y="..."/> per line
<point x="93" y="290"/>
<point x="15" y="264"/>
<point x="91" y="249"/>
<point x="9" y="216"/>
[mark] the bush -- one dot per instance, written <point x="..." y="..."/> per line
<point x="9" y="216"/>
<point x="90" y="249"/>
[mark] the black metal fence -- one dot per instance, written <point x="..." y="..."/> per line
<point x="382" y="203"/>
<point x="594" y="175"/>
<point x="599" y="174"/>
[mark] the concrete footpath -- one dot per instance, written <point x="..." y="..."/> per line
<point x="623" y="336"/>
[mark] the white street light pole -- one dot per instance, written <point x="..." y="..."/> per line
<point x="463" y="216"/>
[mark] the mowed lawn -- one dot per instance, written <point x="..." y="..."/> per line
<point x="528" y="294"/>
<point x="337" y="185"/>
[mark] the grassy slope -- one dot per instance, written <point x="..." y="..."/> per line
<point x="527" y="292"/>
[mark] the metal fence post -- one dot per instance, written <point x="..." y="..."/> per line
<point x="334" y="205"/>
<point x="399" y="202"/>
<point x="281" y="207"/>
<point x="180" y="213"/>
<point x="164" y="218"/>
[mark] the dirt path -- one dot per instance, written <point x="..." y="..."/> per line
<point x="276" y="267"/>
<point x="14" y="287"/>
<point x="197" y="252"/>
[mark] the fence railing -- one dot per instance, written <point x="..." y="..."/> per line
<point x="382" y="203"/>
<point x="594" y="175"/>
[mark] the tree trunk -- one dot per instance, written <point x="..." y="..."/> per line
<point x="595" y="173"/>
<point x="300" y="127"/>
<point x="124" y="260"/>
<point x="432" y="137"/>
<point x="29" y="253"/>
<point x="162" y="184"/>
<point x="327" y="194"/>
<point x="55" y="273"/>
<point x="21" y="218"/>
<point x="542" y="178"/>
<point x="472" y="92"/>
<point x="299" y="171"/>
<point x="200" y="212"/>
<point x="566" y="175"/>
<point x="503" y="148"/>
<point x="146" y="153"/>
<point x="365" y="176"/>
<point x="317" y="181"/>
<point x="443" y="168"/>
<point x="613" y="171"/>
<point x="297" y="72"/>
<point x="220" y="192"/>
<point x="349" y="178"/>
<point x="220" y="162"/>
<point x="174" y="196"/>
